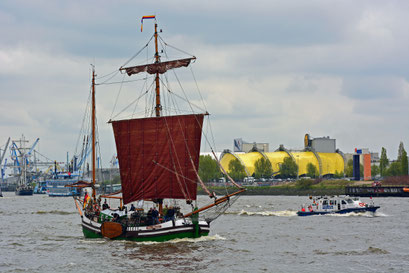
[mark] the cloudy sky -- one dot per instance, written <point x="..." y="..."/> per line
<point x="269" y="71"/>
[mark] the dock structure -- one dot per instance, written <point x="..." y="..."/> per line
<point x="381" y="191"/>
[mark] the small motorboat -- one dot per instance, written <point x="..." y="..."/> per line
<point x="336" y="204"/>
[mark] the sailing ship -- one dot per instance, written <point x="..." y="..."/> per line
<point x="22" y="157"/>
<point x="158" y="160"/>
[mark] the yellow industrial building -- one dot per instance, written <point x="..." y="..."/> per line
<point x="321" y="154"/>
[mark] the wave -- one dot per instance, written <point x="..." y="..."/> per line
<point x="253" y="206"/>
<point x="370" y="250"/>
<point x="59" y="212"/>
<point x="93" y="241"/>
<point x="283" y="213"/>
<point x="380" y="214"/>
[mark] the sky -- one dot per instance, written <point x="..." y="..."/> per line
<point x="268" y="71"/>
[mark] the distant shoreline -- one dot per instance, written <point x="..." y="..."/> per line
<point x="299" y="188"/>
<point x="288" y="191"/>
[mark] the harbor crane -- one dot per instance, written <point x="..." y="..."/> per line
<point x="4" y="152"/>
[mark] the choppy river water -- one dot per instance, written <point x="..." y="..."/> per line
<point x="257" y="234"/>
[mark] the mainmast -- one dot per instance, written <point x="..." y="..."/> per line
<point x="93" y="134"/>
<point x="158" y="107"/>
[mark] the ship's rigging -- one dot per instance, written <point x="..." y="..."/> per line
<point x="158" y="154"/>
<point x="153" y="83"/>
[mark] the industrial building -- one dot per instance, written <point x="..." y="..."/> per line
<point x="241" y="146"/>
<point x="321" y="152"/>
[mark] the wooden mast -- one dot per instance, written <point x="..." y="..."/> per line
<point x="158" y="107"/>
<point x="93" y="134"/>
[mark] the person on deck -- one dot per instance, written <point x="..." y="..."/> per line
<point x="170" y="214"/>
<point x="149" y="217"/>
<point x="132" y="208"/>
<point x="155" y="216"/>
<point x="105" y="205"/>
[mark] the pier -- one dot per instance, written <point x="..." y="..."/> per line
<point x="376" y="191"/>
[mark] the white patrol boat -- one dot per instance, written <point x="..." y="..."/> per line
<point x="336" y="204"/>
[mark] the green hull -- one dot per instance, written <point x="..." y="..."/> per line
<point x="90" y="234"/>
<point x="159" y="238"/>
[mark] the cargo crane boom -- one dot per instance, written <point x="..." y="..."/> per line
<point x="4" y="152"/>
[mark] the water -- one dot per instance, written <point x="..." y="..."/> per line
<point x="258" y="234"/>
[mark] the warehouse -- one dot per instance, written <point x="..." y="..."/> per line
<point x="321" y="152"/>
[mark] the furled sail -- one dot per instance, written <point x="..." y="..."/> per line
<point x="157" y="67"/>
<point x="154" y="156"/>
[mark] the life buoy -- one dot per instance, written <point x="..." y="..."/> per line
<point x="310" y="208"/>
<point x="362" y="204"/>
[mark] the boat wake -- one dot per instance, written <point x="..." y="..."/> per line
<point x="283" y="213"/>
<point x="175" y="241"/>
<point x="356" y="214"/>
<point x="188" y="240"/>
<point x="200" y="239"/>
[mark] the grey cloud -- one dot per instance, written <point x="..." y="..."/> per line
<point x="258" y="64"/>
<point x="373" y="87"/>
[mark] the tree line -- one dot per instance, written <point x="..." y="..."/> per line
<point x="396" y="168"/>
<point x="209" y="168"/>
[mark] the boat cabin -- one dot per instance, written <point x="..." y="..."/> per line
<point x="333" y="203"/>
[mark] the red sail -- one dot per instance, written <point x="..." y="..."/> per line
<point x="157" y="67"/>
<point x="154" y="156"/>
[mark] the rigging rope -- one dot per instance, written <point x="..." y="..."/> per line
<point x="175" y="47"/>
<point x="98" y="148"/>
<point x="115" y="71"/>
<point x="122" y="82"/>
<point x="136" y="104"/>
<point x="184" y="99"/>
<point x="117" y="96"/>
<point x="137" y="99"/>
<point x="37" y="152"/>
<point x="86" y="113"/>
<point x="136" y="54"/>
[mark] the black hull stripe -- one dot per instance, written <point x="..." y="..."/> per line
<point x="134" y="234"/>
<point x="160" y="232"/>
<point x="168" y="228"/>
<point x="154" y="232"/>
